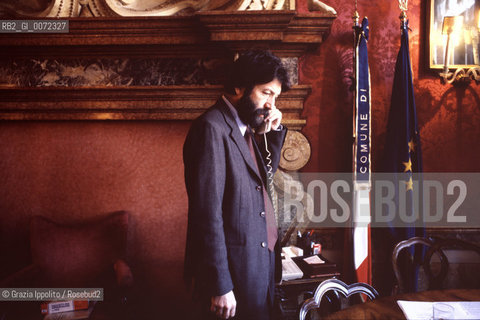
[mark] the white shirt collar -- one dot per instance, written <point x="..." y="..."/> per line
<point x="242" y="126"/>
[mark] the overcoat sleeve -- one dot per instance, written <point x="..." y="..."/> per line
<point x="205" y="174"/>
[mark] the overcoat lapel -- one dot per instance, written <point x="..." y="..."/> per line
<point x="239" y="139"/>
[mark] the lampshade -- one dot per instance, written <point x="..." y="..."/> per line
<point x="452" y="24"/>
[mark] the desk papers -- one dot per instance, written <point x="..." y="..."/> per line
<point x="290" y="270"/>
<point x="313" y="260"/>
<point x="419" y="310"/>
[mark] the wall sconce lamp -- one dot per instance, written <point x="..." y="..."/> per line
<point x="454" y="29"/>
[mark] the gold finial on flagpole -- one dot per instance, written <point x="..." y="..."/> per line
<point x="403" y="5"/>
<point x="356" y="16"/>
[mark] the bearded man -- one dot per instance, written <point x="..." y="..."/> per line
<point x="232" y="233"/>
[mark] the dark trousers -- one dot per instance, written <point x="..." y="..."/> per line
<point x="201" y="309"/>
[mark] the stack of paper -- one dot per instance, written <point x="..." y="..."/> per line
<point x="420" y="310"/>
<point x="290" y="270"/>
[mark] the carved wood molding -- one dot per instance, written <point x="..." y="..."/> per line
<point x="309" y="27"/>
<point x="116" y="31"/>
<point x="284" y="32"/>
<point x="203" y="34"/>
<point x="247" y="25"/>
<point x="128" y="103"/>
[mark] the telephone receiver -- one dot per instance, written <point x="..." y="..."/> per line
<point x="266" y="126"/>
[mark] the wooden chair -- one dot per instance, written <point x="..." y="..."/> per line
<point x="448" y="280"/>
<point x="338" y="287"/>
<point x="404" y="274"/>
<point x="435" y="280"/>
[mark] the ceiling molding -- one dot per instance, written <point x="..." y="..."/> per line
<point x="285" y="32"/>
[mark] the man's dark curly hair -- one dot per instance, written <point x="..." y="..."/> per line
<point x="256" y="67"/>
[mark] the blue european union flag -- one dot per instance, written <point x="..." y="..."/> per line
<point x="403" y="157"/>
<point x="403" y="139"/>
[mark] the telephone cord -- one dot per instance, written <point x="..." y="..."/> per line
<point x="271" y="188"/>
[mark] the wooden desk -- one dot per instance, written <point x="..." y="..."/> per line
<point x="387" y="307"/>
<point x="291" y="294"/>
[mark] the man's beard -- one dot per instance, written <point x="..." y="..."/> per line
<point x="248" y="112"/>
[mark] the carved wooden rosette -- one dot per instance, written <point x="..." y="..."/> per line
<point x="296" y="151"/>
<point x="294" y="156"/>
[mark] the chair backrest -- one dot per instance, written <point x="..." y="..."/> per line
<point x="404" y="272"/>
<point x="457" y="274"/>
<point x="339" y="287"/>
<point x="74" y="255"/>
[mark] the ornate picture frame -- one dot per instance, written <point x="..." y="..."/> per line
<point x="466" y="40"/>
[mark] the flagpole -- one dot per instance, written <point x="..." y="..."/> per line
<point x="350" y="234"/>
<point x="361" y="154"/>
<point x="403" y="5"/>
<point x="356" y="32"/>
<point x="355" y="18"/>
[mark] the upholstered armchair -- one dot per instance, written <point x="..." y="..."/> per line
<point x="89" y="254"/>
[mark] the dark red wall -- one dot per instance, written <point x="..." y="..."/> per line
<point x="448" y="117"/>
<point x="80" y="169"/>
<point x="71" y="171"/>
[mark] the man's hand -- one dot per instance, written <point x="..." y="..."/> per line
<point x="275" y="117"/>
<point x="224" y="306"/>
